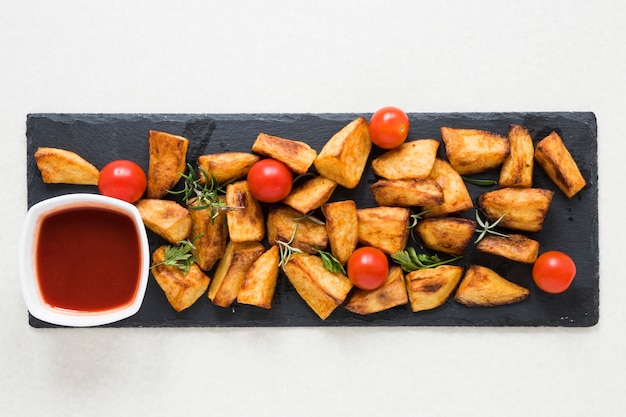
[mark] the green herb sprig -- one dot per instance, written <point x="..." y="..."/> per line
<point x="330" y="262"/>
<point x="286" y="250"/>
<point x="488" y="228"/>
<point x="179" y="255"/>
<point x="480" y="182"/>
<point x="409" y="260"/>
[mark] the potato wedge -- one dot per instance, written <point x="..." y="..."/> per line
<point x="384" y="228"/>
<point x="471" y="150"/>
<point x="446" y="234"/>
<point x="429" y="288"/>
<point x="168" y="160"/>
<point x="210" y="234"/>
<point x="181" y="290"/>
<point x="245" y="222"/>
<point x="59" y="166"/>
<point x="342" y="227"/>
<point x="515" y="247"/>
<point x="298" y="156"/>
<point x="321" y="289"/>
<point x="227" y="166"/>
<point x="517" y="168"/>
<point x="231" y="271"/>
<point x="483" y="287"/>
<point x="391" y="294"/>
<point x="343" y="157"/>
<point x="525" y="208"/>
<point x="411" y="160"/>
<point x="166" y="218"/>
<point x="556" y="160"/>
<point x="281" y="223"/>
<point x="456" y="198"/>
<point x="311" y="194"/>
<point x="259" y="284"/>
<point x="407" y="193"/>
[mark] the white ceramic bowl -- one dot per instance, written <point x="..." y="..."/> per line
<point x="28" y="268"/>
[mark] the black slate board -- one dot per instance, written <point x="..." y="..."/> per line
<point x="571" y="225"/>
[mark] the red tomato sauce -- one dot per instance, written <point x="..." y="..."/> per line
<point x="88" y="259"/>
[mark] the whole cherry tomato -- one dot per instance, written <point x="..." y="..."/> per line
<point x="270" y="180"/>
<point x="554" y="271"/>
<point x="122" y="179"/>
<point x="389" y="127"/>
<point x="368" y="268"/>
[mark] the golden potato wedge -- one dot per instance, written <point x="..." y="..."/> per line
<point x="298" y="156"/>
<point x="515" y="247"/>
<point x="343" y="157"/>
<point x="168" y="160"/>
<point x="517" y="168"/>
<point x="456" y="198"/>
<point x="259" y="284"/>
<point x="525" y="208"/>
<point x="311" y="194"/>
<point x="471" y="150"/>
<point x="411" y="160"/>
<point x="231" y="271"/>
<point x="226" y="166"/>
<point x="166" y="218"/>
<point x="342" y="228"/>
<point x="60" y="166"/>
<point x="446" y="234"/>
<point x="209" y="235"/>
<point x="384" y="228"/>
<point x="483" y="287"/>
<point x="429" y="288"/>
<point x="391" y="294"/>
<point x="407" y="193"/>
<point x="181" y="290"/>
<point x="281" y="223"/>
<point x="556" y="160"/>
<point x="245" y="221"/>
<point x="321" y="289"/>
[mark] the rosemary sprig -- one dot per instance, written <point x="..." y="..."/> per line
<point x="415" y="218"/>
<point x="179" y="255"/>
<point x="488" y="228"/>
<point x="311" y="217"/>
<point x="481" y="182"/>
<point x="330" y="262"/>
<point x="409" y="260"/>
<point x="286" y="250"/>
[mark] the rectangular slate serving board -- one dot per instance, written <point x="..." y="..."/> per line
<point x="570" y="226"/>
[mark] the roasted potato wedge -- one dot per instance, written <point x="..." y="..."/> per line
<point x="282" y="222"/>
<point x="515" y="247"/>
<point x="483" y="287"/>
<point x="407" y="193"/>
<point x="446" y="234"/>
<point x="166" y="218"/>
<point x="210" y="236"/>
<point x="168" y="160"/>
<point x="556" y="160"/>
<point x="411" y="160"/>
<point x="517" y="168"/>
<point x="456" y="198"/>
<point x="471" y="150"/>
<point x="342" y="227"/>
<point x="321" y="289"/>
<point x="311" y="194"/>
<point x="226" y="166"/>
<point x="59" y="166"/>
<point x="245" y="218"/>
<point x="343" y="157"/>
<point x="231" y="271"/>
<point x="181" y="290"/>
<point x="391" y="294"/>
<point x="259" y="284"/>
<point x="384" y="228"/>
<point x="298" y="156"/>
<point x="524" y="209"/>
<point x="429" y="288"/>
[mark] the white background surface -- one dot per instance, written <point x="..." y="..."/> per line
<point x="316" y="56"/>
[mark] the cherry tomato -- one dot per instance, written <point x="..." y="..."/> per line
<point x="122" y="179"/>
<point x="270" y="180"/>
<point x="554" y="271"/>
<point x="389" y="127"/>
<point x="368" y="268"/>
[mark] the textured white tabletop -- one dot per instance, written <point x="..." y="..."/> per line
<point x="322" y="56"/>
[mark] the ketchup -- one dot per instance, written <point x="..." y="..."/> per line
<point x="88" y="259"/>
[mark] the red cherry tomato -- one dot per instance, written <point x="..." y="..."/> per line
<point x="554" y="271"/>
<point x="389" y="127"/>
<point x="368" y="268"/>
<point x="122" y="179"/>
<point x="270" y="180"/>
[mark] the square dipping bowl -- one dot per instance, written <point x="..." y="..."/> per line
<point x="84" y="260"/>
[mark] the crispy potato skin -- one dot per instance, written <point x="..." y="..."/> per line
<point x="311" y="194"/>
<point x="281" y="226"/>
<point x="259" y="284"/>
<point x="298" y="156"/>
<point x="446" y="234"/>
<point x="411" y="160"/>
<point x="456" y="197"/>
<point x="226" y="166"/>
<point x="168" y="159"/>
<point x="391" y="294"/>
<point x="245" y="222"/>
<point x="516" y="247"/>
<point x="209" y="236"/>
<point x="166" y="218"/>
<point x="342" y="227"/>
<point x="407" y="193"/>
<point x="525" y="208"/>
<point x="471" y="150"/>
<point x="483" y="287"/>
<point x="552" y="155"/>
<point x="384" y="228"/>
<point x="430" y="288"/>
<point x="60" y="166"/>
<point x="517" y="168"/>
